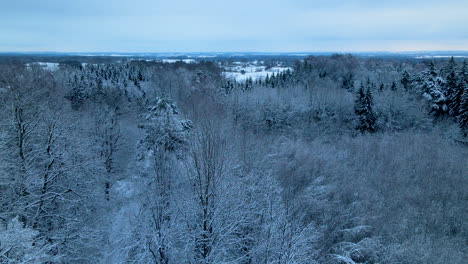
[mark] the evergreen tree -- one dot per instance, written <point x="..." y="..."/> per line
<point x="406" y="80"/>
<point x="393" y="87"/>
<point x="78" y="93"/>
<point x="432" y="87"/>
<point x="267" y="80"/>
<point x="453" y="89"/>
<point x="456" y="99"/>
<point x="348" y="82"/>
<point x="381" y="87"/>
<point x="463" y="112"/>
<point x="363" y="108"/>
<point x="451" y="64"/>
<point x="463" y="74"/>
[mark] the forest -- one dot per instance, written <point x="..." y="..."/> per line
<point x="334" y="159"/>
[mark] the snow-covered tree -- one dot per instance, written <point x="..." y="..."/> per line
<point x="406" y="80"/>
<point x="456" y="84"/>
<point x="108" y="133"/>
<point x="432" y="88"/>
<point x="348" y="82"/>
<point x="393" y="87"/>
<point x="463" y="112"/>
<point x="452" y="89"/>
<point x="20" y="244"/>
<point x="363" y="108"/>
<point x="165" y="137"/>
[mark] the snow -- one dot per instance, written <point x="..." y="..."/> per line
<point x="50" y="66"/>
<point x="124" y="189"/>
<point x="242" y="77"/>
<point x="174" y="61"/>
<point x="438" y="56"/>
<point x="123" y="217"/>
<point x="243" y="71"/>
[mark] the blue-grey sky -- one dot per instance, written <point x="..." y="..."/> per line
<point x="233" y="25"/>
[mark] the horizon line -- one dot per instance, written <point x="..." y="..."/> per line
<point x="229" y="52"/>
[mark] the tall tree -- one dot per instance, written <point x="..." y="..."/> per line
<point x="453" y="89"/>
<point x="363" y="108"/>
<point x="406" y="80"/>
<point x="165" y="138"/>
<point x="463" y="112"/>
<point x="432" y="88"/>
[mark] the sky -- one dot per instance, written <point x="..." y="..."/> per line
<point x="232" y="25"/>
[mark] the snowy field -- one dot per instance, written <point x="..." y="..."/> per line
<point x="51" y="66"/>
<point x="174" y="60"/>
<point x="240" y="71"/>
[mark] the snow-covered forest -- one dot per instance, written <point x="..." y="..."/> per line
<point x="335" y="159"/>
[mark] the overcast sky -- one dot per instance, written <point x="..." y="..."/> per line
<point x="233" y="25"/>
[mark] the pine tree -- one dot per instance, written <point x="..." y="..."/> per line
<point x="363" y="108"/>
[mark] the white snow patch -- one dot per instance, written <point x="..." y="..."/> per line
<point x="50" y="66"/>
<point x="439" y="56"/>
<point x="123" y="189"/>
<point x="174" y="61"/>
<point x="243" y="71"/>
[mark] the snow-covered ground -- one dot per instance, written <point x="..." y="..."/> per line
<point x="242" y="71"/>
<point x="122" y="218"/>
<point x="239" y="71"/>
<point x="174" y="61"/>
<point x="438" y="56"/>
<point x="51" y="66"/>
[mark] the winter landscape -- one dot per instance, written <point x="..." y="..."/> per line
<point x="322" y="147"/>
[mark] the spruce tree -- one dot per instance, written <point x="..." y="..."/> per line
<point x="78" y="93"/>
<point x="381" y="87"/>
<point x="431" y="85"/>
<point x="348" y="82"/>
<point x="363" y="108"/>
<point x="393" y="87"/>
<point x="406" y="80"/>
<point x="463" y="112"/>
<point x="453" y="89"/>
<point x="463" y="73"/>
<point x="456" y="99"/>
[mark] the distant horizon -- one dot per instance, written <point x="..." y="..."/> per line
<point x="231" y="52"/>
